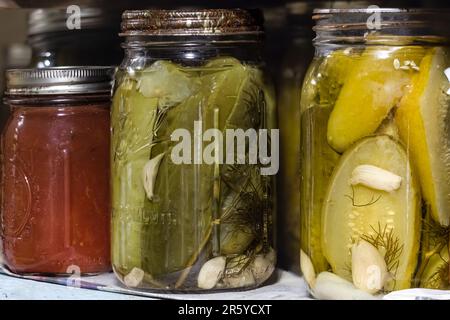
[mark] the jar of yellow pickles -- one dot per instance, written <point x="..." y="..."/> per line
<point x="375" y="153"/>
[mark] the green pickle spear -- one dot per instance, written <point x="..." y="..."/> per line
<point x="168" y="239"/>
<point x="132" y="120"/>
<point x="236" y="93"/>
<point x="390" y="220"/>
<point x="375" y="84"/>
<point x="317" y="163"/>
<point x="137" y="103"/>
<point x="185" y="195"/>
<point x="423" y="121"/>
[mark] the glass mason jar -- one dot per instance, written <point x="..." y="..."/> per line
<point x="180" y="221"/>
<point x="57" y="40"/>
<point x="55" y="203"/>
<point x="375" y="145"/>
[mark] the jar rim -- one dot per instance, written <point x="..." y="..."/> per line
<point x="425" y="25"/>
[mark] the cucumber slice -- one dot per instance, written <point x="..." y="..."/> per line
<point x="424" y="124"/>
<point x="374" y="86"/>
<point x="350" y="213"/>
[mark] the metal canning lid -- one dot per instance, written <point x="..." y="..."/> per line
<point x="203" y="22"/>
<point x="59" y="81"/>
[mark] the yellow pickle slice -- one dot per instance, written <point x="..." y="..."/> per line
<point x="317" y="163"/>
<point x="375" y="85"/>
<point x="423" y="121"/>
<point x="372" y="196"/>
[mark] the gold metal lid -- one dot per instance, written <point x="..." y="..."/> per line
<point x="203" y="22"/>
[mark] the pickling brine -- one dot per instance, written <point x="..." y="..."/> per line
<point x="375" y="160"/>
<point x="180" y="221"/>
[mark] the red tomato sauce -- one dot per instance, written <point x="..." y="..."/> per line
<point x="55" y="189"/>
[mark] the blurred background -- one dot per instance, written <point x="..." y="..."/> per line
<point x="33" y="33"/>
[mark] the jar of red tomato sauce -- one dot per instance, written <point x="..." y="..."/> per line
<point x="55" y="163"/>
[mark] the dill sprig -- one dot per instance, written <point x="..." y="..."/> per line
<point x="435" y="239"/>
<point x="372" y="200"/>
<point x="245" y="210"/>
<point x="236" y="265"/>
<point x="436" y="233"/>
<point x="386" y="239"/>
<point x="439" y="279"/>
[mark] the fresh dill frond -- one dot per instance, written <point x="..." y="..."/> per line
<point x="372" y="200"/>
<point x="236" y="265"/>
<point x="436" y="234"/>
<point x="440" y="278"/>
<point x="384" y="239"/>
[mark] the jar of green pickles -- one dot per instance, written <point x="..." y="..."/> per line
<point x="183" y="217"/>
<point x="375" y="153"/>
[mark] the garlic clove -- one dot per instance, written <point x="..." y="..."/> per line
<point x="211" y="272"/>
<point x="329" y="286"/>
<point x="150" y="172"/>
<point x="263" y="265"/>
<point x="307" y="269"/>
<point x="134" y="278"/>
<point x="375" y="178"/>
<point x="369" y="270"/>
<point x="241" y="280"/>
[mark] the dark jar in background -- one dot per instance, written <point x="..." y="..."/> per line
<point x="55" y="164"/>
<point x="58" y="38"/>
<point x="294" y="63"/>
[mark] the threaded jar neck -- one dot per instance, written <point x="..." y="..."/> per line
<point x="387" y="26"/>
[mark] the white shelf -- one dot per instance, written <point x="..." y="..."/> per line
<point x="284" y="286"/>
